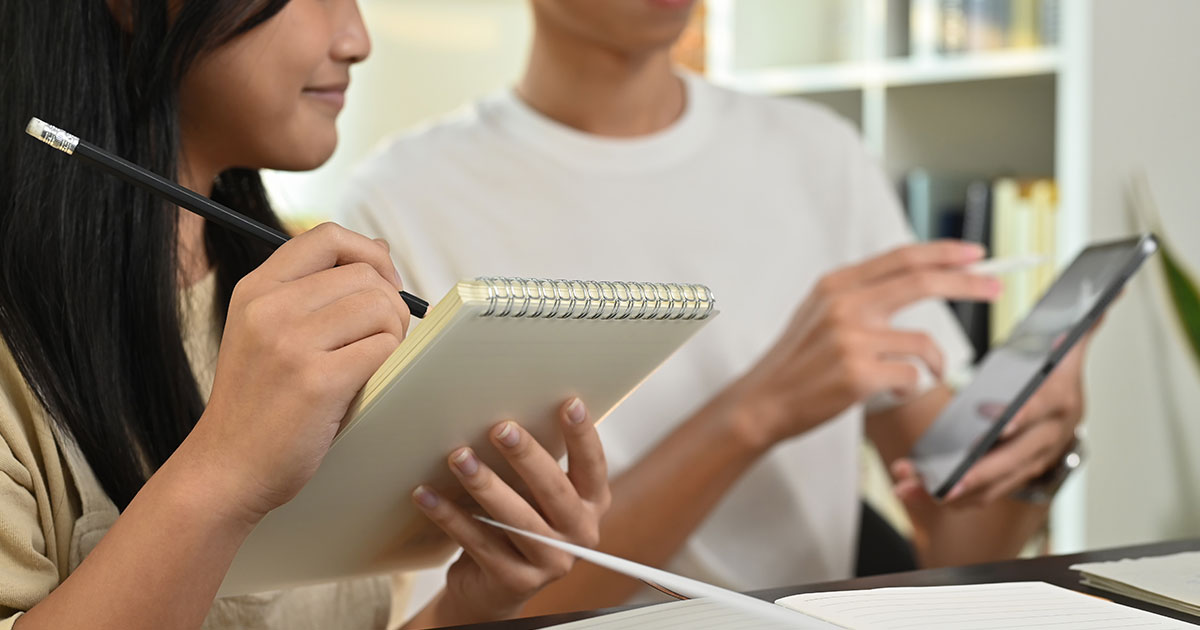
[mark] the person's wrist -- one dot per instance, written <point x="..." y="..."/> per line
<point x="749" y="418"/>
<point x="202" y="469"/>
<point x="447" y="610"/>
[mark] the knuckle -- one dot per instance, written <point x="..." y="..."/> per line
<point x="557" y="567"/>
<point x="908" y="257"/>
<point x="363" y="274"/>
<point x="242" y="290"/>
<point x="328" y="229"/>
<point x="846" y="343"/>
<point x="262" y="316"/>
<point x="856" y="374"/>
<point x="590" y="535"/>
<point x="389" y="341"/>
<point x="842" y="310"/>
<point x="603" y="500"/>
<point x="524" y="583"/>
<point x="379" y="302"/>
<point x="824" y="286"/>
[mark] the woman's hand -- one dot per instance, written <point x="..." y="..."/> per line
<point x="304" y="333"/>
<point x="499" y="572"/>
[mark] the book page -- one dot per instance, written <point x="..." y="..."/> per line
<point x="1031" y="605"/>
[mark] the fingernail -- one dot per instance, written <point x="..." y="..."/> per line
<point x="956" y="491"/>
<point x="396" y="272"/>
<point x="575" y="411"/>
<point x="426" y="497"/>
<point x="508" y="434"/>
<point x="466" y="462"/>
<point x="973" y="251"/>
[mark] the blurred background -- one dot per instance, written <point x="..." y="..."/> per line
<point x="1028" y="125"/>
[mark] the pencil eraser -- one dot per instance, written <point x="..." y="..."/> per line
<point x="36" y="128"/>
<point x="52" y="135"/>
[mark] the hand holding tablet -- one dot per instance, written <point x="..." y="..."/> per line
<point x="1014" y="371"/>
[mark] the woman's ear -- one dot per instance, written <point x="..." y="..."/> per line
<point x="122" y="12"/>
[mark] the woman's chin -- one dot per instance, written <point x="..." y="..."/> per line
<point x="302" y="158"/>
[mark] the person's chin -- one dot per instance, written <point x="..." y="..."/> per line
<point x="306" y="156"/>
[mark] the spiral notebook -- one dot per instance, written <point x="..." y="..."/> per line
<point x="492" y="349"/>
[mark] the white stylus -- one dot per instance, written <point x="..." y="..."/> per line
<point x="1001" y="266"/>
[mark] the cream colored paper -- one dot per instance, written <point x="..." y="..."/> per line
<point x="1172" y="581"/>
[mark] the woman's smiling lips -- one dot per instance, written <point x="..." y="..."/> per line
<point x="332" y="95"/>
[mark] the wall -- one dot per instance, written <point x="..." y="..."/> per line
<point x="428" y="57"/>
<point x="1143" y="479"/>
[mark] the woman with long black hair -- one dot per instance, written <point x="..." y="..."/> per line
<point x="134" y="459"/>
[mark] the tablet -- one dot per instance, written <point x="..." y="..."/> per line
<point x="1011" y="372"/>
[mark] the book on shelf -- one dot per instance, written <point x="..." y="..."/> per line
<point x="1008" y="216"/>
<point x="947" y="27"/>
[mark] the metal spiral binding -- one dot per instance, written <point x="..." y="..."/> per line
<point x="575" y="299"/>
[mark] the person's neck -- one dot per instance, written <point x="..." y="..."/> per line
<point x="193" y="255"/>
<point x="600" y="91"/>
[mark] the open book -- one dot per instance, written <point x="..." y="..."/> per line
<point x="492" y="349"/>
<point x="1028" y="605"/>
<point x="1032" y="605"/>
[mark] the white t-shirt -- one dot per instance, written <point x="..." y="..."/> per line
<point x="755" y="197"/>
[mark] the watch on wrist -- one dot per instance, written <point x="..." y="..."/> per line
<point x="1042" y="489"/>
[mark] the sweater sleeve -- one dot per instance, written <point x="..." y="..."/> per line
<point x="29" y="553"/>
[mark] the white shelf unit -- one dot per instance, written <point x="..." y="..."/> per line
<point x="986" y="114"/>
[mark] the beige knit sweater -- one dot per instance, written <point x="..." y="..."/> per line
<point x="53" y="510"/>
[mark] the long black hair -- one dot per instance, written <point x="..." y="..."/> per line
<point x="88" y="265"/>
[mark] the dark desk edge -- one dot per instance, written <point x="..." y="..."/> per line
<point x="1052" y="569"/>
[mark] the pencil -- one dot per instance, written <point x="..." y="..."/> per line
<point x="176" y="194"/>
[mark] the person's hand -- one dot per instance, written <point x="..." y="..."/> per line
<point x="840" y="348"/>
<point x="499" y="572"/>
<point x="1032" y="443"/>
<point x="304" y="333"/>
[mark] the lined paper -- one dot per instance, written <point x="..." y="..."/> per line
<point x="1033" y="605"/>
<point x="692" y="614"/>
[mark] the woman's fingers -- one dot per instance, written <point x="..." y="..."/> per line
<point x="352" y="365"/>
<point x="503" y="504"/>
<point x="325" y="246"/>
<point x="552" y="490"/>
<point x="485" y="544"/>
<point x="587" y="467"/>
<point x="320" y="289"/>
<point x="358" y="316"/>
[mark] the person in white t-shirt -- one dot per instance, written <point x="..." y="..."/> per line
<point x="737" y="462"/>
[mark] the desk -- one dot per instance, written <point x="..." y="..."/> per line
<point x="1052" y="569"/>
